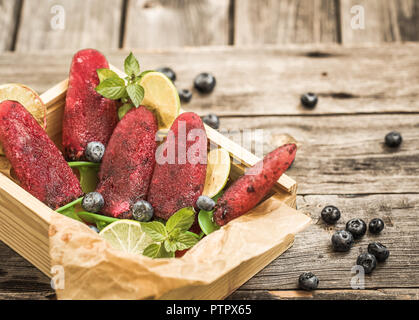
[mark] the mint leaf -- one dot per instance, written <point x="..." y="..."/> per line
<point x="136" y="93"/>
<point x="183" y="220"/>
<point x="122" y="111"/>
<point x="170" y="245"/>
<point x="112" y="88"/>
<point x="157" y="250"/>
<point x="186" y="240"/>
<point x="156" y="230"/>
<point x="104" y="74"/>
<point x="131" y="66"/>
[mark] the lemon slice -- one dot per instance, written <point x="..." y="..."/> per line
<point x="161" y="97"/>
<point x="127" y="236"/>
<point x="218" y="170"/>
<point x="27" y="98"/>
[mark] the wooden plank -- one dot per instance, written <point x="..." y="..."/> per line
<point x="385" y="21"/>
<point x="9" y="11"/>
<point x="379" y="294"/>
<point x="341" y="154"/>
<point x="274" y="77"/>
<point x="76" y="24"/>
<point x="176" y="23"/>
<point x="285" y="21"/>
<point x="312" y="249"/>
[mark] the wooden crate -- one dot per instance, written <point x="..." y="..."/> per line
<point x="24" y="220"/>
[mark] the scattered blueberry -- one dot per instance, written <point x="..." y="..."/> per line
<point x="205" y="82"/>
<point x="330" y="214"/>
<point x="393" y="139"/>
<point x="309" y="100"/>
<point x="367" y="261"/>
<point x="142" y="211"/>
<point x="93" y="202"/>
<point x="95" y="229"/>
<point x="185" y="95"/>
<point x="168" y="72"/>
<point x="94" y="151"/>
<point x="357" y="227"/>
<point x="342" y="241"/>
<point x="379" y="250"/>
<point x="205" y="203"/>
<point x="212" y="120"/>
<point x="308" y="281"/>
<point x="376" y="225"/>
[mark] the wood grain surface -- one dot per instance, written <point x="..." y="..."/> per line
<point x="91" y="23"/>
<point x="341" y="159"/>
<point x="287" y="21"/>
<point x="168" y="23"/>
<point x="9" y="11"/>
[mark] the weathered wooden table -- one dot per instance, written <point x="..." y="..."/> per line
<point x="364" y="93"/>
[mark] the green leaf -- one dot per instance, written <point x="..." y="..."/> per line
<point x="157" y="250"/>
<point x="112" y="88"/>
<point x="71" y="213"/>
<point x="156" y="230"/>
<point x="98" y="219"/>
<point x="170" y="245"/>
<point x="122" y="111"/>
<point x="183" y="219"/>
<point x="70" y="205"/>
<point x="104" y="74"/>
<point x="131" y="66"/>
<point x="186" y="240"/>
<point x="136" y="93"/>
<point x="88" y="178"/>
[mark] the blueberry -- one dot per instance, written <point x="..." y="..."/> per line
<point x="376" y="225"/>
<point x="393" y="139"/>
<point x="93" y="202"/>
<point x="168" y="72"/>
<point x="95" y="229"/>
<point x="330" y="214"/>
<point x="308" y="281"/>
<point x="205" y="203"/>
<point x="94" y="151"/>
<point x="205" y="82"/>
<point x="309" y="100"/>
<point x="212" y="120"/>
<point x="142" y="211"/>
<point x="342" y="241"/>
<point x="357" y="227"/>
<point x="185" y="95"/>
<point x="379" y="250"/>
<point x="367" y="261"/>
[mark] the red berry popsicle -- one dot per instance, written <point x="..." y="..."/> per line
<point x="39" y="165"/>
<point x="128" y="163"/>
<point x="88" y="116"/>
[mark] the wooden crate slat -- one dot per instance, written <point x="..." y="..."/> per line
<point x="385" y="21"/>
<point x="176" y="23"/>
<point x="286" y="21"/>
<point x="91" y="23"/>
<point x="9" y="11"/>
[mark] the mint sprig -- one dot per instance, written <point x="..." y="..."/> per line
<point x="128" y="90"/>
<point x="171" y="237"/>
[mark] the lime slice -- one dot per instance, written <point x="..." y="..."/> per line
<point x="218" y="170"/>
<point x="161" y="97"/>
<point x="206" y="221"/>
<point x="27" y="98"/>
<point x="127" y="236"/>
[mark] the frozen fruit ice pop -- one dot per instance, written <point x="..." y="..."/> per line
<point x="179" y="177"/>
<point x="128" y="163"/>
<point x="38" y="164"/>
<point x="88" y="116"/>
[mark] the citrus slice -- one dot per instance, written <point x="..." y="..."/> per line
<point x="127" y="236"/>
<point x="218" y="170"/>
<point x="27" y="98"/>
<point x="161" y="97"/>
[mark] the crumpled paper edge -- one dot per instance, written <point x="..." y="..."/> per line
<point x="94" y="270"/>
